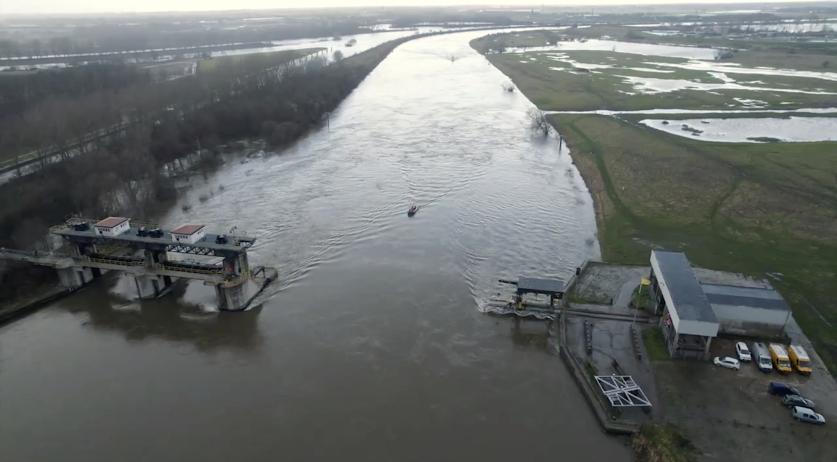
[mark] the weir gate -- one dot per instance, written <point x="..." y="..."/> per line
<point x="154" y="257"/>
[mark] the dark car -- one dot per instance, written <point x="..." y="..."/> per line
<point x="797" y="400"/>
<point x="155" y="232"/>
<point x="782" y="389"/>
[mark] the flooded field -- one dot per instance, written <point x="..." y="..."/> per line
<point x="752" y="130"/>
<point x="348" y="45"/>
<point x="648" y="49"/>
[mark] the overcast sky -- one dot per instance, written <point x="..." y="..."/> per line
<point x="92" y="6"/>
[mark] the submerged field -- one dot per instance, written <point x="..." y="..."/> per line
<point x="580" y="80"/>
<point x="768" y="209"/>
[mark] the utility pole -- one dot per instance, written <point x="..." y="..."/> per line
<point x="636" y="307"/>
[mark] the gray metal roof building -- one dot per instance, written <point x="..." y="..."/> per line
<point x="540" y="286"/>
<point x="748" y="310"/>
<point x="688" y="322"/>
<point x="694" y="313"/>
<point x="687" y="304"/>
<point x="754" y="297"/>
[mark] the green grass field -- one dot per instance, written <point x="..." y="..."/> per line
<point x="768" y="210"/>
<point x="751" y="208"/>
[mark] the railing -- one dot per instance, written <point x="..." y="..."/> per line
<point x="115" y="260"/>
<point x="193" y="268"/>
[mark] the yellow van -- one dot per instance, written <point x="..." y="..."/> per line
<point x="799" y="359"/>
<point x="781" y="362"/>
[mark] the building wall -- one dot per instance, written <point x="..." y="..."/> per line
<point x="752" y="321"/>
<point x="189" y="238"/>
<point x="115" y="231"/>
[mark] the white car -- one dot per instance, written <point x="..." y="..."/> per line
<point x="803" y="414"/>
<point x="728" y="362"/>
<point x="743" y="352"/>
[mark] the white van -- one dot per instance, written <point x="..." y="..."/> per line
<point x="761" y="356"/>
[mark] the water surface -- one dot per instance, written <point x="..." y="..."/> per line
<point x="371" y="347"/>
<point x="751" y="130"/>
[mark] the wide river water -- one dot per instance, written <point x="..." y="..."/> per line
<point x="371" y="347"/>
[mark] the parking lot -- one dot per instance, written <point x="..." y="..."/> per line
<point x="729" y="414"/>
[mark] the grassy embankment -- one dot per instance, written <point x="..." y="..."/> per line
<point x="655" y="344"/>
<point x="751" y="208"/>
<point x="663" y="442"/>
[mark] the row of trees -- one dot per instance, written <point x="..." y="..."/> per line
<point x="21" y="91"/>
<point x="109" y="37"/>
<point x="57" y="114"/>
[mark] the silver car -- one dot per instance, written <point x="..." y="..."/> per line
<point x="804" y="414"/>
<point x="797" y="400"/>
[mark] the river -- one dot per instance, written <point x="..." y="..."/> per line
<point x="371" y="347"/>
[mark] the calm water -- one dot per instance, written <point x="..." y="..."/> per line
<point x="371" y="347"/>
<point x="744" y="129"/>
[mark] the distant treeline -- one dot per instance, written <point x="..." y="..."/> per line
<point x="53" y="109"/>
<point x="277" y="113"/>
<point x="124" y="174"/>
<point x="153" y="35"/>
<point x="19" y="92"/>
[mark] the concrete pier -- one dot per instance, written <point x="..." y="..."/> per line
<point x="74" y="277"/>
<point x="232" y="297"/>
<point x="152" y="286"/>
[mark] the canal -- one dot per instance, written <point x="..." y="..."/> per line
<point x="372" y="346"/>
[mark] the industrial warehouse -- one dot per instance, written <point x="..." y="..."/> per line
<point x="693" y="312"/>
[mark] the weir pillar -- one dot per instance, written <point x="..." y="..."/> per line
<point x="152" y="286"/>
<point x="74" y="277"/>
<point x="231" y="297"/>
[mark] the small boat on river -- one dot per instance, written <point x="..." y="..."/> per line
<point x="412" y="211"/>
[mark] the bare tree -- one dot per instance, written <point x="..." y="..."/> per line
<point x="538" y="121"/>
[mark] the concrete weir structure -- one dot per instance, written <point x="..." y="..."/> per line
<point x="152" y="256"/>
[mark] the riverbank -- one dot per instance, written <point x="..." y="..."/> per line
<point x="751" y="208"/>
<point x="754" y="208"/>
<point x="684" y="393"/>
<point x="25" y="305"/>
<point x="132" y="163"/>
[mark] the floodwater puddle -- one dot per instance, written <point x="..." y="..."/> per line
<point x="751" y="130"/>
<point x="650" y="85"/>
<point x="648" y="49"/>
<point x="735" y="68"/>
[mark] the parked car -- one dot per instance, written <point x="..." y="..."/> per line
<point x="728" y="362"/>
<point x="803" y="414"/>
<point x="797" y="400"/>
<point x="743" y="352"/>
<point x="782" y="389"/>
